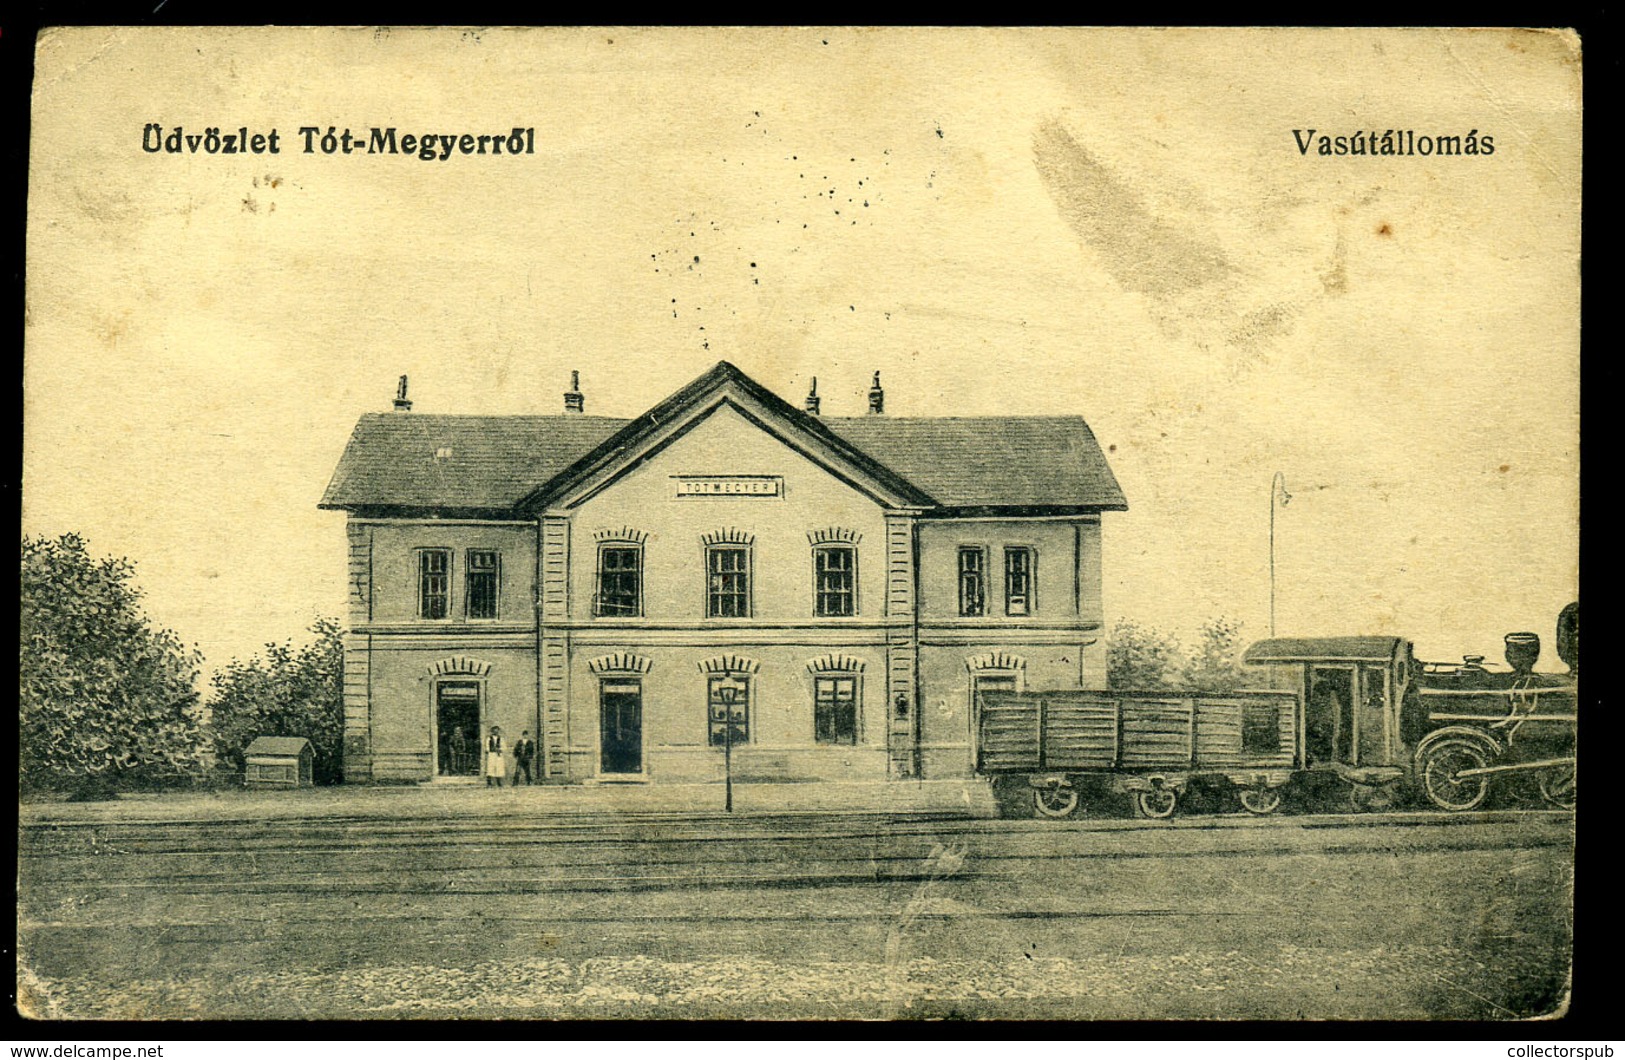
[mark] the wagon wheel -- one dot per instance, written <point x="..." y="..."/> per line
<point x="1444" y="787"/>
<point x="1261" y="800"/>
<point x="1055" y="800"/>
<point x="1156" y="803"/>
<point x="1557" y="786"/>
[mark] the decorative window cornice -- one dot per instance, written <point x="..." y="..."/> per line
<point x="730" y="536"/>
<point x="729" y="664"/>
<point x="995" y="660"/>
<point x="460" y="664"/>
<point x="835" y="663"/>
<point x="621" y="662"/>
<point x="834" y="535"/>
<point x="625" y="534"/>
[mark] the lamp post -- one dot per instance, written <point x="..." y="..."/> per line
<point x="1277" y="492"/>
<point x="729" y="695"/>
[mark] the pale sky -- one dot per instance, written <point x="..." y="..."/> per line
<point x="1117" y="224"/>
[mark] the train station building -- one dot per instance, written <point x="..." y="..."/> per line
<point x="821" y="595"/>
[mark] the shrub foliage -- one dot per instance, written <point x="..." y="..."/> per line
<point x="292" y="691"/>
<point x="103" y="696"/>
<point x="1142" y="659"/>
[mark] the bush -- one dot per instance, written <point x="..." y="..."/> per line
<point x="102" y="695"/>
<point x="291" y="692"/>
<point x="1140" y="659"/>
<point x="1215" y="665"/>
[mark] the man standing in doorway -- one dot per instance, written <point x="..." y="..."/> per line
<point x="524" y="752"/>
<point x="496" y="763"/>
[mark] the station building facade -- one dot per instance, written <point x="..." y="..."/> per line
<point x="820" y="597"/>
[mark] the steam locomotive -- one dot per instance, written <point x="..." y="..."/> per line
<point x="1358" y="712"/>
<point x="1486" y="724"/>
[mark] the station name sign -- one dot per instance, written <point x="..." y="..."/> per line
<point x="729" y="485"/>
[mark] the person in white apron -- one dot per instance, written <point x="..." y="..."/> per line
<point x="496" y="762"/>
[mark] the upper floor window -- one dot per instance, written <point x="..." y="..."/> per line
<point x="434" y="583"/>
<point x="480" y="591"/>
<point x="972" y="581"/>
<point x="835" y="574"/>
<point x="835" y="709"/>
<point x="1018" y="581"/>
<point x="728" y="581"/>
<point x="620" y="580"/>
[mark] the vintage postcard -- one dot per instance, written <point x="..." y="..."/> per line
<point x="800" y="524"/>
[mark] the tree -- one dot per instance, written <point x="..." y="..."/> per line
<point x="291" y="692"/>
<point x="1139" y="658"/>
<point x="1215" y="664"/>
<point x="102" y="696"/>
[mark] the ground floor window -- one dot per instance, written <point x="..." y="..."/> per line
<point x="728" y="709"/>
<point x="835" y="709"/>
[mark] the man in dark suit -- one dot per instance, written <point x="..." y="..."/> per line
<point x="524" y="752"/>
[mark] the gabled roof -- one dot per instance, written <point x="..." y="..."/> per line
<point x="1323" y="649"/>
<point x="511" y="465"/>
<point x="655" y="426"/>
<point x="278" y="745"/>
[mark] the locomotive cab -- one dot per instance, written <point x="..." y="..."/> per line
<point x="1353" y="693"/>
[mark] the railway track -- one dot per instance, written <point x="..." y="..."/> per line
<point x="336" y="859"/>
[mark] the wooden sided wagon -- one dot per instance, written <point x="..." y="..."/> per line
<point x="1149" y="745"/>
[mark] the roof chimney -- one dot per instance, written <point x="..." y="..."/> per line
<point x="877" y="397"/>
<point x="401" y="404"/>
<point x="813" y="400"/>
<point x="574" y="401"/>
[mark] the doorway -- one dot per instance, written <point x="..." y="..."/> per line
<point x="1329" y="715"/>
<point x="457" y="725"/>
<point x="620" y="729"/>
<point x="1372" y="744"/>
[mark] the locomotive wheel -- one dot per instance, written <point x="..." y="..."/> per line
<point x="1557" y="787"/>
<point x="1055" y="800"/>
<point x="1260" y="800"/>
<point x="1439" y="772"/>
<point x="1157" y="803"/>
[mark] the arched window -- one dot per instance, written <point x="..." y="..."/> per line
<point x="728" y="687"/>
<point x="727" y="574"/>
<point x="837" y="699"/>
<point x="618" y="590"/>
<point x="835" y="572"/>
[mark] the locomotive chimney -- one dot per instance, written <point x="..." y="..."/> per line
<point x="574" y="400"/>
<point x="1523" y="651"/>
<point x="814" y="402"/>
<point x="877" y="398"/>
<point x="401" y="404"/>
